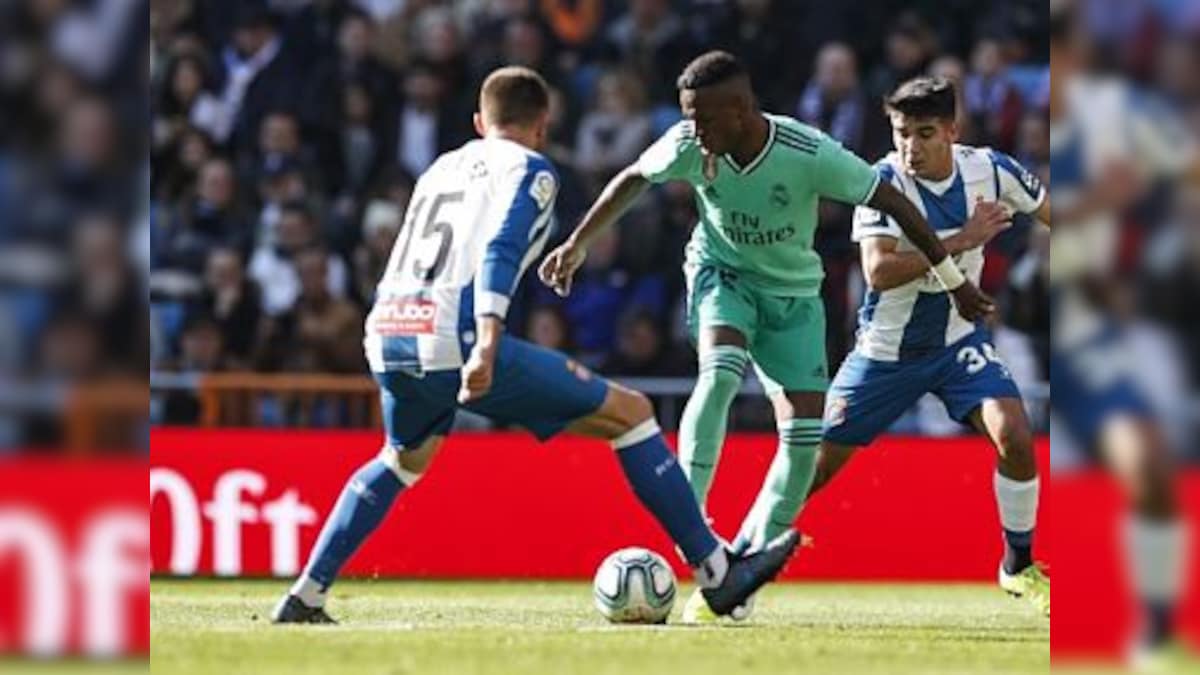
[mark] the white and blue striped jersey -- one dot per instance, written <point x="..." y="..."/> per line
<point x="478" y="218"/>
<point x="919" y="317"/>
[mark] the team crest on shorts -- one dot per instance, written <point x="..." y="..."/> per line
<point x="835" y="412"/>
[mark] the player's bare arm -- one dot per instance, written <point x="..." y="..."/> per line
<point x="968" y="299"/>
<point x="560" y="265"/>
<point x="1043" y="213"/>
<point x="886" y="267"/>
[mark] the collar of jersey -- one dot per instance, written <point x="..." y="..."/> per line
<point x="761" y="155"/>
<point x="939" y="187"/>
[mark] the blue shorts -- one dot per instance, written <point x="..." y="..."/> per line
<point x="1093" y="382"/>
<point x="532" y="387"/>
<point x="867" y="396"/>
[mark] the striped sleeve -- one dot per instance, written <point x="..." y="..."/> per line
<point x="671" y="156"/>
<point x="529" y="192"/>
<point x="869" y="222"/>
<point x="1017" y="187"/>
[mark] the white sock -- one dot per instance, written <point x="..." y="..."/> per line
<point x="310" y="592"/>
<point x="711" y="572"/>
<point x="1017" y="501"/>
<point x="1156" y="558"/>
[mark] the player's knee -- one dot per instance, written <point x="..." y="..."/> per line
<point x="634" y="408"/>
<point x="1015" y="441"/>
<point x="1153" y="494"/>
<point x="410" y="465"/>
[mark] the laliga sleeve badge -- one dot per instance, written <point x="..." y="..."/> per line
<point x="542" y="188"/>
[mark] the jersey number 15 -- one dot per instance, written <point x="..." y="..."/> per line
<point x="423" y="272"/>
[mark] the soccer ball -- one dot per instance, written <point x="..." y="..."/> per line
<point x="634" y="585"/>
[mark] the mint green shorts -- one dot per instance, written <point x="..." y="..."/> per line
<point x="785" y="335"/>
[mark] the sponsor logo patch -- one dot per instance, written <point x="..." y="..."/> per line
<point x="403" y="316"/>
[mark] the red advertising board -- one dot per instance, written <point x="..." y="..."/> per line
<point x="502" y="505"/>
<point x="74" y="549"/>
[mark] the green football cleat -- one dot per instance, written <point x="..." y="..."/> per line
<point x="1030" y="583"/>
<point x="1168" y="658"/>
<point x="697" y="612"/>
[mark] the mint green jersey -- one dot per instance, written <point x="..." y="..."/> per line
<point x="759" y="219"/>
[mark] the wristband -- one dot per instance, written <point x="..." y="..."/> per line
<point x="949" y="274"/>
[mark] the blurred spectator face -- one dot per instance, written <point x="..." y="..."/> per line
<point x="925" y="144"/>
<point x="87" y="136"/>
<point x="501" y="8"/>
<point x="223" y="270"/>
<point x="99" y="249"/>
<point x="619" y="94"/>
<point x="46" y="11"/>
<point x="356" y="105"/>
<point x="69" y="348"/>
<point x="313" y="269"/>
<point x="423" y="88"/>
<point x="951" y="68"/>
<point x="523" y="43"/>
<point x="194" y="149"/>
<point x="354" y="37"/>
<point x="216" y="186"/>
<point x="837" y="70"/>
<point x="987" y="59"/>
<point x="754" y="8"/>
<point x="547" y="329"/>
<point x="251" y="37"/>
<point x="648" y="13"/>
<point x="438" y="36"/>
<point x="1175" y="69"/>
<point x="186" y="81"/>
<point x="1034" y="138"/>
<point x="279" y="134"/>
<point x="639" y="339"/>
<point x="381" y="224"/>
<point x="904" y="51"/>
<point x="57" y="88"/>
<point x="200" y="346"/>
<point x="294" y="230"/>
<point x="286" y="186"/>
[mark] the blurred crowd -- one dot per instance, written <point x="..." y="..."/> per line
<point x="286" y="137"/>
<point x="74" y="230"/>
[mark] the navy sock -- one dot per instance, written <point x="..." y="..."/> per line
<point x="364" y="502"/>
<point x="659" y="483"/>
<point x="1018" y="550"/>
<point x="1160" y="616"/>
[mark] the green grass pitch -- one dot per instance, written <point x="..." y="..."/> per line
<point x="531" y="628"/>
